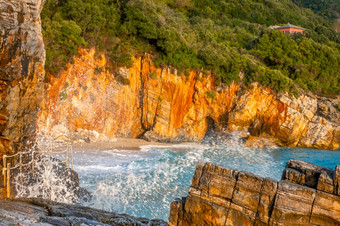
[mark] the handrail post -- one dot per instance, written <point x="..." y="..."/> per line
<point x="4" y="169"/>
<point x="32" y="163"/>
<point x="50" y="154"/>
<point x="71" y="156"/>
<point x="20" y="162"/>
<point x="8" y="180"/>
<point x="66" y="156"/>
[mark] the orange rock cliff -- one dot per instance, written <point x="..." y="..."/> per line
<point x="91" y="101"/>
<point x="22" y="58"/>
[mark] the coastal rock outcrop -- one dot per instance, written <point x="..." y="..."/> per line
<point x="22" y="58"/>
<point x="306" y="195"/>
<point x="44" y="212"/>
<point x="93" y="100"/>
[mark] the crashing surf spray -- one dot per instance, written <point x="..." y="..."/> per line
<point x="46" y="173"/>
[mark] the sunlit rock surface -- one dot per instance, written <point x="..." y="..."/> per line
<point x="91" y="102"/>
<point x="44" y="212"/>
<point x="306" y="195"/>
<point x="22" y="58"/>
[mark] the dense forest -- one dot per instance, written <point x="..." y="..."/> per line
<point x="222" y="37"/>
<point x="327" y="8"/>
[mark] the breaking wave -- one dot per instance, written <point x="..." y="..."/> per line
<point x="144" y="182"/>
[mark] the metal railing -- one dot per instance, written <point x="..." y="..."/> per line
<point x="6" y="169"/>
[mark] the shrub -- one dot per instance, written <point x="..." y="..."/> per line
<point x="153" y="75"/>
<point x="211" y="94"/>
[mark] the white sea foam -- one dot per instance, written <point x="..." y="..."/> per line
<point x="147" y="148"/>
<point x="147" y="185"/>
<point x="99" y="168"/>
<point x="45" y="183"/>
<point x="49" y="178"/>
<point x="143" y="183"/>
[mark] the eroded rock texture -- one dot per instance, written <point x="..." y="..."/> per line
<point x="44" y="212"/>
<point x="22" y="58"/>
<point x="306" y="195"/>
<point x="89" y="100"/>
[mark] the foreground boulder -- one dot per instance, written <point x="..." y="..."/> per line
<point x="43" y="212"/>
<point x="306" y="195"/>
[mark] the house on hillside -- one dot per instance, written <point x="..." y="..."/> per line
<point x="291" y="29"/>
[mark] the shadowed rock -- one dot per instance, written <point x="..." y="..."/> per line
<point x="33" y="211"/>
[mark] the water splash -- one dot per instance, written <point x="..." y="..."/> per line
<point x="46" y="175"/>
<point x="50" y="181"/>
<point x="144" y="183"/>
<point x="147" y="184"/>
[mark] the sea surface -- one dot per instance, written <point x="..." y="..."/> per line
<point x="143" y="183"/>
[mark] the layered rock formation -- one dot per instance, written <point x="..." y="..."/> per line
<point x="159" y="104"/>
<point x="44" y="212"/>
<point x="22" y="58"/>
<point x="306" y="195"/>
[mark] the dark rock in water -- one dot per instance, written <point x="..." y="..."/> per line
<point x="306" y="195"/>
<point x="33" y="211"/>
<point x="72" y="182"/>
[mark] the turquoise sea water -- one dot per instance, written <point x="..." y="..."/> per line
<point x="143" y="183"/>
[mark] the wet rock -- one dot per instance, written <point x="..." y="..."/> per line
<point x="220" y="196"/>
<point x="259" y="142"/>
<point x="34" y="211"/>
<point x="51" y="179"/>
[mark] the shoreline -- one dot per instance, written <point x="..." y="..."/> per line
<point x="131" y="144"/>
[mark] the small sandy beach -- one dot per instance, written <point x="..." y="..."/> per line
<point x="123" y="144"/>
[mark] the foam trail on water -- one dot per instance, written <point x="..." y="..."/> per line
<point x="147" y="184"/>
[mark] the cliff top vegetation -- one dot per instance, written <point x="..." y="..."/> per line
<point x="224" y="37"/>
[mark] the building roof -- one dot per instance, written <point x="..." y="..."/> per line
<point x="291" y="26"/>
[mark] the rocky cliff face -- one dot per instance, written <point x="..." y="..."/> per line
<point x="306" y="195"/>
<point x="22" y="58"/>
<point x="158" y="104"/>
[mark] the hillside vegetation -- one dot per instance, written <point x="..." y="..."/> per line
<point x="327" y="8"/>
<point x="224" y="37"/>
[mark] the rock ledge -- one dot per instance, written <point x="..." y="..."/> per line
<point x="44" y="212"/>
<point x="306" y="195"/>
